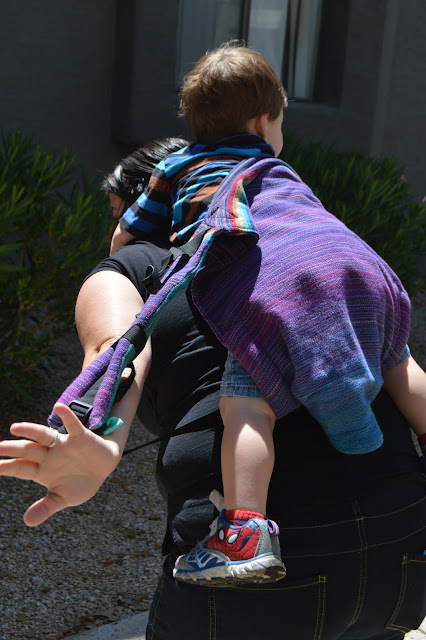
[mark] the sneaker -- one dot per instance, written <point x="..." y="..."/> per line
<point x="238" y="552"/>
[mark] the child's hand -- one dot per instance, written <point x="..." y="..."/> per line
<point x="119" y="238"/>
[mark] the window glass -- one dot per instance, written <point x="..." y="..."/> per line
<point x="286" y="33"/>
<point x="303" y="40"/>
<point x="202" y="26"/>
<point x="267" y="30"/>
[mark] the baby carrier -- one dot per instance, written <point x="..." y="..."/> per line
<point x="174" y="278"/>
<point x="308" y="308"/>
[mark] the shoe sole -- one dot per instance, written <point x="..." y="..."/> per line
<point x="263" y="570"/>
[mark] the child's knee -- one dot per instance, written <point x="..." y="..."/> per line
<point x="234" y="408"/>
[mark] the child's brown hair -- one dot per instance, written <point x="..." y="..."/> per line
<point x="226" y="88"/>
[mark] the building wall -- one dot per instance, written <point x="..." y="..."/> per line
<point x="145" y="98"/>
<point x="383" y="106"/>
<point x="404" y="132"/>
<point x="98" y="76"/>
<point x="56" y="75"/>
<point x="348" y="126"/>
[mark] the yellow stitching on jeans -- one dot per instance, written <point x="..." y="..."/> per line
<point x="382" y="544"/>
<point x="391" y="513"/>
<point x="402" y="592"/>
<point x="317" y="526"/>
<point x="286" y="588"/>
<point x="320" y="608"/>
<point x="362" y="563"/>
<point x="338" y="522"/>
<point x="370" y="546"/>
<point x="323" y="583"/>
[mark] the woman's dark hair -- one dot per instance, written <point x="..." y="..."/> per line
<point x="132" y="173"/>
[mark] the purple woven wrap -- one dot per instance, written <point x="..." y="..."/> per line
<point x="105" y="396"/>
<point x="311" y="312"/>
<point x="82" y="384"/>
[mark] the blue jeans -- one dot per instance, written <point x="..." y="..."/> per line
<point x="236" y="381"/>
<point x="358" y="576"/>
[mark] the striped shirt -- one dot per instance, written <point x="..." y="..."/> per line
<point x="182" y="187"/>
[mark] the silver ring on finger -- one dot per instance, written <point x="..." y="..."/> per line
<point x="55" y="441"/>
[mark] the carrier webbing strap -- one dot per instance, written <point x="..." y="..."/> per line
<point x="111" y="363"/>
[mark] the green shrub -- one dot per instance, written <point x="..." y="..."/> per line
<point x="372" y="197"/>
<point x="54" y="226"/>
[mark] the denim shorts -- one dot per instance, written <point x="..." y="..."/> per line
<point x="236" y="381"/>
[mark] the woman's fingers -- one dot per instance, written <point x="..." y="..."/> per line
<point x="19" y="468"/>
<point x="45" y="435"/>
<point x="36" y="432"/>
<point x="26" y="449"/>
<point x="70" y="420"/>
<point x="43" y="509"/>
<point x="72" y="467"/>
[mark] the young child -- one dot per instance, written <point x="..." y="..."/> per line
<point x="233" y="104"/>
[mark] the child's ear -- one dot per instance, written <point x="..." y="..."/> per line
<point x="261" y="125"/>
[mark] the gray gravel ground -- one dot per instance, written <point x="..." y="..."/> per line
<point x="89" y="565"/>
<point x="99" y="562"/>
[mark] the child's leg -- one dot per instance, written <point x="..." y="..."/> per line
<point x="247" y="444"/>
<point x="245" y="546"/>
<point x="247" y="452"/>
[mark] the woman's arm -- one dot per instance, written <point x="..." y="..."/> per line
<point x="106" y="307"/>
<point x="406" y="384"/>
<point x="75" y="468"/>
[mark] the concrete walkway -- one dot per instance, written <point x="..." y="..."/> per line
<point x="134" y="629"/>
<point x="127" y="629"/>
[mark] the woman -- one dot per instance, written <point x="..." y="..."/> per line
<point x="352" y="527"/>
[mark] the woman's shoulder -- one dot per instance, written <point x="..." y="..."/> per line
<point x="132" y="260"/>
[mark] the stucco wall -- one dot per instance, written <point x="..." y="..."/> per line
<point x="376" y="116"/>
<point x="145" y="98"/>
<point x="348" y="126"/>
<point x="56" y="75"/>
<point x="404" y="132"/>
<point x="97" y="75"/>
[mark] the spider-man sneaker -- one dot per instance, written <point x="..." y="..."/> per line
<point x="245" y="548"/>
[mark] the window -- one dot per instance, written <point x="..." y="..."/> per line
<point x="303" y="40"/>
<point x="202" y="26"/>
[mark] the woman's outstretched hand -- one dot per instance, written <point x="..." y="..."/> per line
<point x="72" y="470"/>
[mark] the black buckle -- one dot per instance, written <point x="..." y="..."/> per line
<point x="82" y="410"/>
<point x="152" y="282"/>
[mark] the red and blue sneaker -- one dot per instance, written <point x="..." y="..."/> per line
<point x="245" y="548"/>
